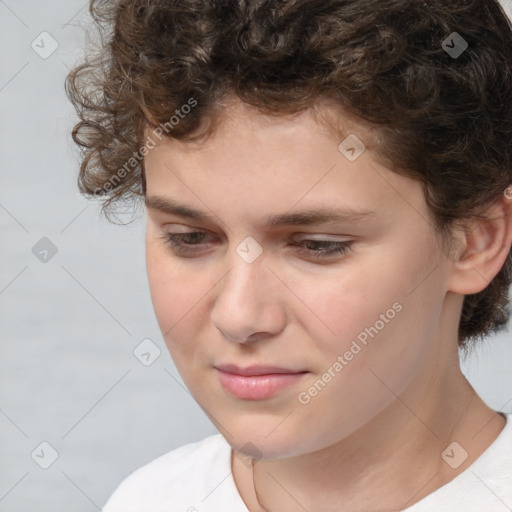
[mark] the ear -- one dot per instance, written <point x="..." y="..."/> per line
<point x="483" y="248"/>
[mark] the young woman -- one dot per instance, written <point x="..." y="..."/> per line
<point x="328" y="225"/>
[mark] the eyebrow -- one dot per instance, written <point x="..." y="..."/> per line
<point x="303" y="217"/>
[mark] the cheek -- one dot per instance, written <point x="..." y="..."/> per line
<point x="335" y="307"/>
<point x="375" y="313"/>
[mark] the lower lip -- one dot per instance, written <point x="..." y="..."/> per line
<point x="257" y="387"/>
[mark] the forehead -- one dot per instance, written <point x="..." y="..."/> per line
<point x="271" y="164"/>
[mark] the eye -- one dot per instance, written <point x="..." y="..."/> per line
<point x="330" y="248"/>
<point x="184" y="244"/>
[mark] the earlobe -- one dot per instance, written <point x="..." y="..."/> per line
<point x="483" y="250"/>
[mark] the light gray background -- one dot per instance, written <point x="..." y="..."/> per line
<point x="69" y="326"/>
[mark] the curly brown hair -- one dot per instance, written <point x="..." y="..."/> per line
<point x="442" y="118"/>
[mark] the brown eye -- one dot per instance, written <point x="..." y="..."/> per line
<point x="183" y="243"/>
<point x="323" y="248"/>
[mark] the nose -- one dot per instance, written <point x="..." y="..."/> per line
<point x="247" y="306"/>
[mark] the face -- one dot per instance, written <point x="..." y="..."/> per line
<point x="346" y="308"/>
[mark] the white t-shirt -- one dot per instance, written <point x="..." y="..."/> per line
<point x="197" y="478"/>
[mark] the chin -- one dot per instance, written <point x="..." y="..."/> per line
<point x="262" y="440"/>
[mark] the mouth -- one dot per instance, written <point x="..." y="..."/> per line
<point x="257" y="382"/>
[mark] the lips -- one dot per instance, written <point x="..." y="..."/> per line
<point x="257" y="382"/>
<point x="255" y="369"/>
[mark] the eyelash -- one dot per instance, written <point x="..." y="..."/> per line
<point x="336" y="248"/>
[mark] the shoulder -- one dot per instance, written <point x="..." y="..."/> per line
<point x="176" y="480"/>
<point x="185" y="458"/>
<point x="485" y="485"/>
<point x="496" y="461"/>
<point x="491" y="471"/>
<point x="495" y="465"/>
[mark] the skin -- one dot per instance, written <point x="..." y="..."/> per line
<point x="372" y="438"/>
